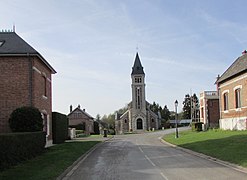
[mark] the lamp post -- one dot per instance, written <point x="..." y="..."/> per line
<point x="176" y="118"/>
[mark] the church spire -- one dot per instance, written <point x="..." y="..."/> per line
<point x="137" y="68"/>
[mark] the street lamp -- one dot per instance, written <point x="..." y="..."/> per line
<point x="176" y="118"/>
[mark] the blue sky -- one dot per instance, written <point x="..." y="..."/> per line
<point x="183" y="46"/>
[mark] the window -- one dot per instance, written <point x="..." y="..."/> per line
<point x="237" y="98"/>
<point x="225" y="99"/>
<point x="202" y="112"/>
<point x="45" y="124"/>
<point x="125" y="121"/>
<point x="138" y="98"/>
<point x="138" y="80"/>
<point x="44" y="86"/>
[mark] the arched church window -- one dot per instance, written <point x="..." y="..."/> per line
<point x="125" y="121"/>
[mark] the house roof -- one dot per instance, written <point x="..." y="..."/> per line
<point x="82" y="111"/>
<point x="137" y="68"/>
<point x="13" y="45"/>
<point x="238" y="66"/>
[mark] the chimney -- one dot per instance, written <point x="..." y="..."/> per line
<point x="244" y="52"/>
<point x="217" y="84"/>
<point x="79" y="106"/>
<point x="70" y="108"/>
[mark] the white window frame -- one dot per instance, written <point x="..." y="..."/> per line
<point x="225" y="110"/>
<point x="239" y="98"/>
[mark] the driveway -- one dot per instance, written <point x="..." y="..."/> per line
<point x="144" y="156"/>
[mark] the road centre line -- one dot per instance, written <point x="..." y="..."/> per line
<point x="149" y="160"/>
<point x="141" y="149"/>
<point x="153" y="163"/>
<point x="163" y="176"/>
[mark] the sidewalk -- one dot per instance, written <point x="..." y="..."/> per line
<point x="92" y="138"/>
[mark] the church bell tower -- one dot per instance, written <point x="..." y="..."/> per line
<point x="138" y="115"/>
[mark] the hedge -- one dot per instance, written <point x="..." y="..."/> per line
<point x="59" y="127"/>
<point x="17" y="147"/>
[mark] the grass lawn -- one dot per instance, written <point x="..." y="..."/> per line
<point x="229" y="146"/>
<point x="50" y="164"/>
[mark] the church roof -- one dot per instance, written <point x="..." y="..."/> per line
<point x="137" y="68"/>
<point x="239" y="66"/>
<point x="13" y="45"/>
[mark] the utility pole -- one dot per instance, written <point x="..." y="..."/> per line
<point x="191" y="116"/>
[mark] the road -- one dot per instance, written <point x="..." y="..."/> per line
<point x="144" y="156"/>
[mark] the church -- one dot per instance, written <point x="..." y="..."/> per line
<point x="138" y="118"/>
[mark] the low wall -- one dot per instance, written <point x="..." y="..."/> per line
<point x="233" y="123"/>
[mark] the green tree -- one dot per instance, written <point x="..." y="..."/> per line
<point x="195" y="108"/>
<point x="187" y="107"/>
<point x="165" y="113"/>
<point x="98" y="117"/>
<point x="155" y="107"/>
<point x="190" y="104"/>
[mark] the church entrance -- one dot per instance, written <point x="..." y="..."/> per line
<point x="139" y="124"/>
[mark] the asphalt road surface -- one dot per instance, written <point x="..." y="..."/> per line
<point x="144" y="156"/>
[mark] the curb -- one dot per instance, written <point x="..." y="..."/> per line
<point x="218" y="161"/>
<point x="70" y="170"/>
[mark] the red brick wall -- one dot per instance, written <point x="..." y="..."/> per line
<point x="15" y="84"/>
<point x="229" y="86"/>
<point x="213" y="112"/>
<point x="40" y="100"/>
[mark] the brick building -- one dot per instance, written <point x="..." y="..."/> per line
<point x="25" y="80"/>
<point x="80" y="117"/>
<point x="232" y="88"/>
<point x="139" y="116"/>
<point x="209" y="109"/>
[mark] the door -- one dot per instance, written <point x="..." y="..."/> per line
<point x="139" y="124"/>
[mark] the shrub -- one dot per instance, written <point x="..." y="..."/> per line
<point x="197" y="126"/>
<point x="79" y="132"/>
<point x="96" y="127"/>
<point x="59" y="127"/>
<point x="17" y="147"/>
<point x="111" y="131"/>
<point x="26" y="119"/>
